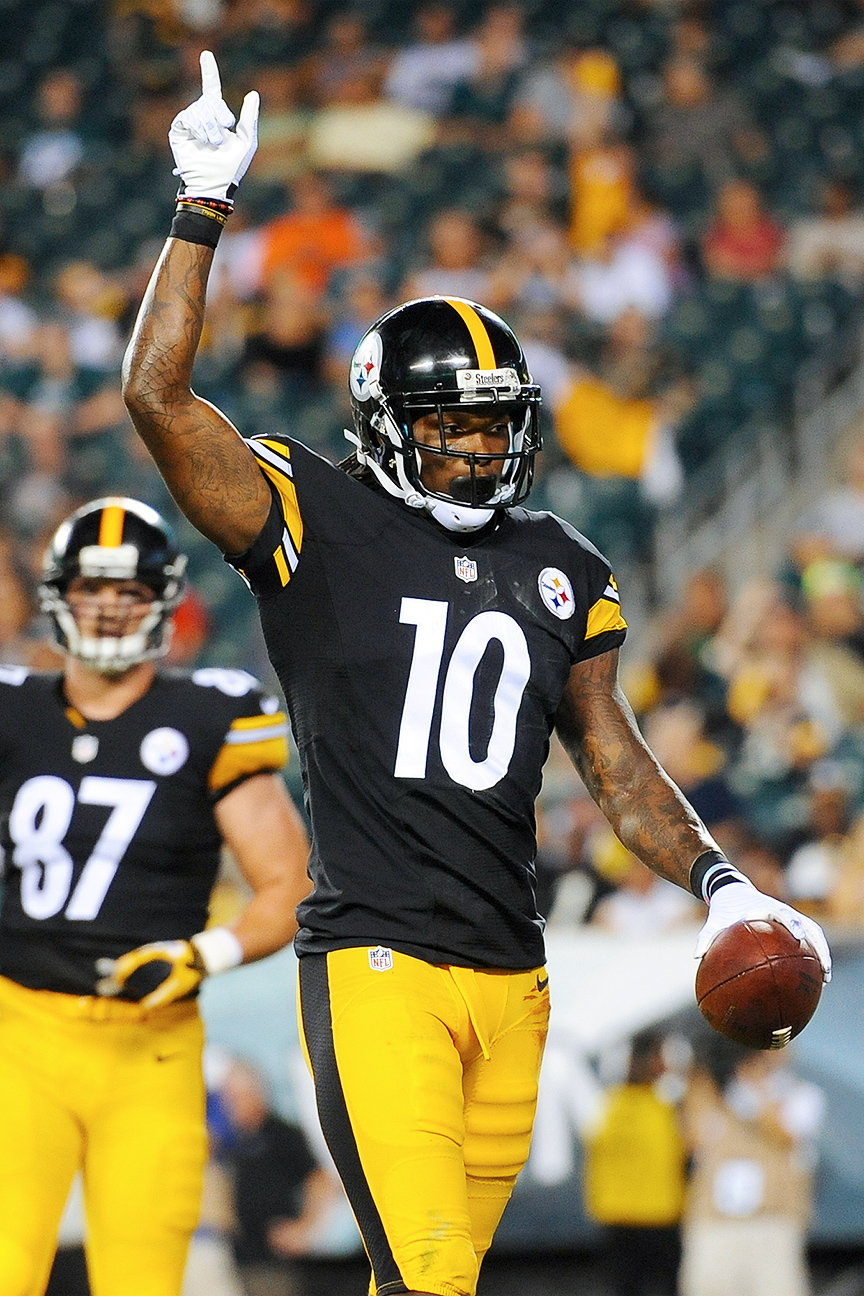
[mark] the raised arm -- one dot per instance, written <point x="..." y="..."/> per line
<point x="647" y="811"/>
<point x="210" y="472"/>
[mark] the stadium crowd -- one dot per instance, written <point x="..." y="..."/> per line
<point x="661" y="198"/>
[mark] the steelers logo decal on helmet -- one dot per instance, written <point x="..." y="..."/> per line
<point x="366" y="368"/>
<point x="556" y="592"/>
<point x="164" y="751"/>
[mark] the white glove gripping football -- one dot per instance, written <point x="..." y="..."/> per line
<point x="740" y="901"/>
<point x="212" y="158"/>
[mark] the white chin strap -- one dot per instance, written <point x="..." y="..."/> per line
<point x="458" y="517"/>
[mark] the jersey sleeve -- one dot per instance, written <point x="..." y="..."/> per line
<point x="605" y="627"/>
<point x="268" y="565"/>
<point x="256" y="743"/>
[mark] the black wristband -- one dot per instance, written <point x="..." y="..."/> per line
<point x="709" y="872"/>
<point x="200" y="220"/>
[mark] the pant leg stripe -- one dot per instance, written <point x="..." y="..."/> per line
<point x="336" y="1123"/>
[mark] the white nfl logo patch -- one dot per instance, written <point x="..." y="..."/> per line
<point x="380" y="959"/>
<point x="466" y="569"/>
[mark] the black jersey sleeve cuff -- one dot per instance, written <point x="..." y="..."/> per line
<point x="257" y="565"/>
<point x="600" y="643"/>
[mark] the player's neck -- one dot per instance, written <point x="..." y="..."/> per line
<point x="104" y="697"/>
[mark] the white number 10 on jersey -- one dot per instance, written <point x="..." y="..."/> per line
<point x="430" y="618"/>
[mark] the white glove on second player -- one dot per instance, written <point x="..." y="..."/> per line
<point x="740" y="901"/>
<point x="212" y="158"/>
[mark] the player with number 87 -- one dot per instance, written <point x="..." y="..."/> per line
<point x="119" y="783"/>
<point x="429" y="632"/>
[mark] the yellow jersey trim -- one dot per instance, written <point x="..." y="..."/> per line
<point x="274" y="460"/>
<point x="605" y="615"/>
<point x="241" y="760"/>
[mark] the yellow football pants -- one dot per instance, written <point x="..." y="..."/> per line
<point x="426" y="1082"/>
<point x="95" y="1084"/>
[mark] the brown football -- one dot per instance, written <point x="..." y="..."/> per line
<point x="758" y="984"/>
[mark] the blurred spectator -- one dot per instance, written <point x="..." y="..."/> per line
<point x="676" y="735"/>
<point x="315" y="238"/>
<point x="834" y="524"/>
<point x="92" y="304"/>
<point x="743" y="242"/>
<point x="50" y="155"/>
<point x="815" y="868"/>
<point x="574" y="98"/>
<point x="364" y="132"/>
<point x="459" y="266"/>
<point x="533" y="193"/>
<point x="255" y="32"/>
<point x="697" y="126"/>
<point x="749" y="1199"/>
<point x="614" y="424"/>
<point x="287" y="334"/>
<point x="619" y="275"/>
<point x="283" y="125"/>
<point x="601" y="177"/>
<point x="483" y="99"/>
<point x="279" y="1193"/>
<point x="18" y="320"/>
<point x="831" y="590"/>
<point x="423" y="75"/>
<point x="346" y="57"/>
<point x="635" y="1177"/>
<point x="789" y="714"/>
<point x="831" y="244"/>
<point x="530" y="274"/>
<point x="645" y="905"/>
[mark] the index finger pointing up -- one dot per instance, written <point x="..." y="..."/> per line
<point x="210" y="83"/>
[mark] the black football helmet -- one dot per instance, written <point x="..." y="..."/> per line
<point x="428" y="356"/>
<point x="114" y="539"/>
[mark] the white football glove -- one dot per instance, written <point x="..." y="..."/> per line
<point x="740" y="901"/>
<point x="210" y="156"/>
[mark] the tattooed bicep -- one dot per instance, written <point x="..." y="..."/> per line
<point x="594" y="720"/>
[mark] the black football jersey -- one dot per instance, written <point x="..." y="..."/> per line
<point x="422" y="671"/>
<point x="108" y="827"/>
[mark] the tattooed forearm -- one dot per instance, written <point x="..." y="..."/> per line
<point x="647" y="811"/>
<point x="209" y="470"/>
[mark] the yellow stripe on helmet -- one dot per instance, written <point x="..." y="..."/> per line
<point x="477" y="329"/>
<point x="111" y="526"/>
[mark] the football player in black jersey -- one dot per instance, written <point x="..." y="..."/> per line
<point x="429" y="634"/>
<point x="119" y="784"/>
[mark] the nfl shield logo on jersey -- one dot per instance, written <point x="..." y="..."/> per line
<point x="380" y="959"/>
<point x="466" y="569"/>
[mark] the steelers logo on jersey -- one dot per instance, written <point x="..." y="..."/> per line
<point x="556" y="592"/>
<point x="164" y="751"/>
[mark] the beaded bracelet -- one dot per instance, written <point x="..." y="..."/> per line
<point x="200" y="220"/>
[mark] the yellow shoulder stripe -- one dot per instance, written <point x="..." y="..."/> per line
<point x="603" y="616"/>
<point x="246" y="729"/>
<point x="281" y="477"/>
<point x="240" y="760"/>
<point x="477" y="329"/>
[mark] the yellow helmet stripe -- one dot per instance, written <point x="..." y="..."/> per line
<point x="477" y="329"/>
<point x="111" y="526"/>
